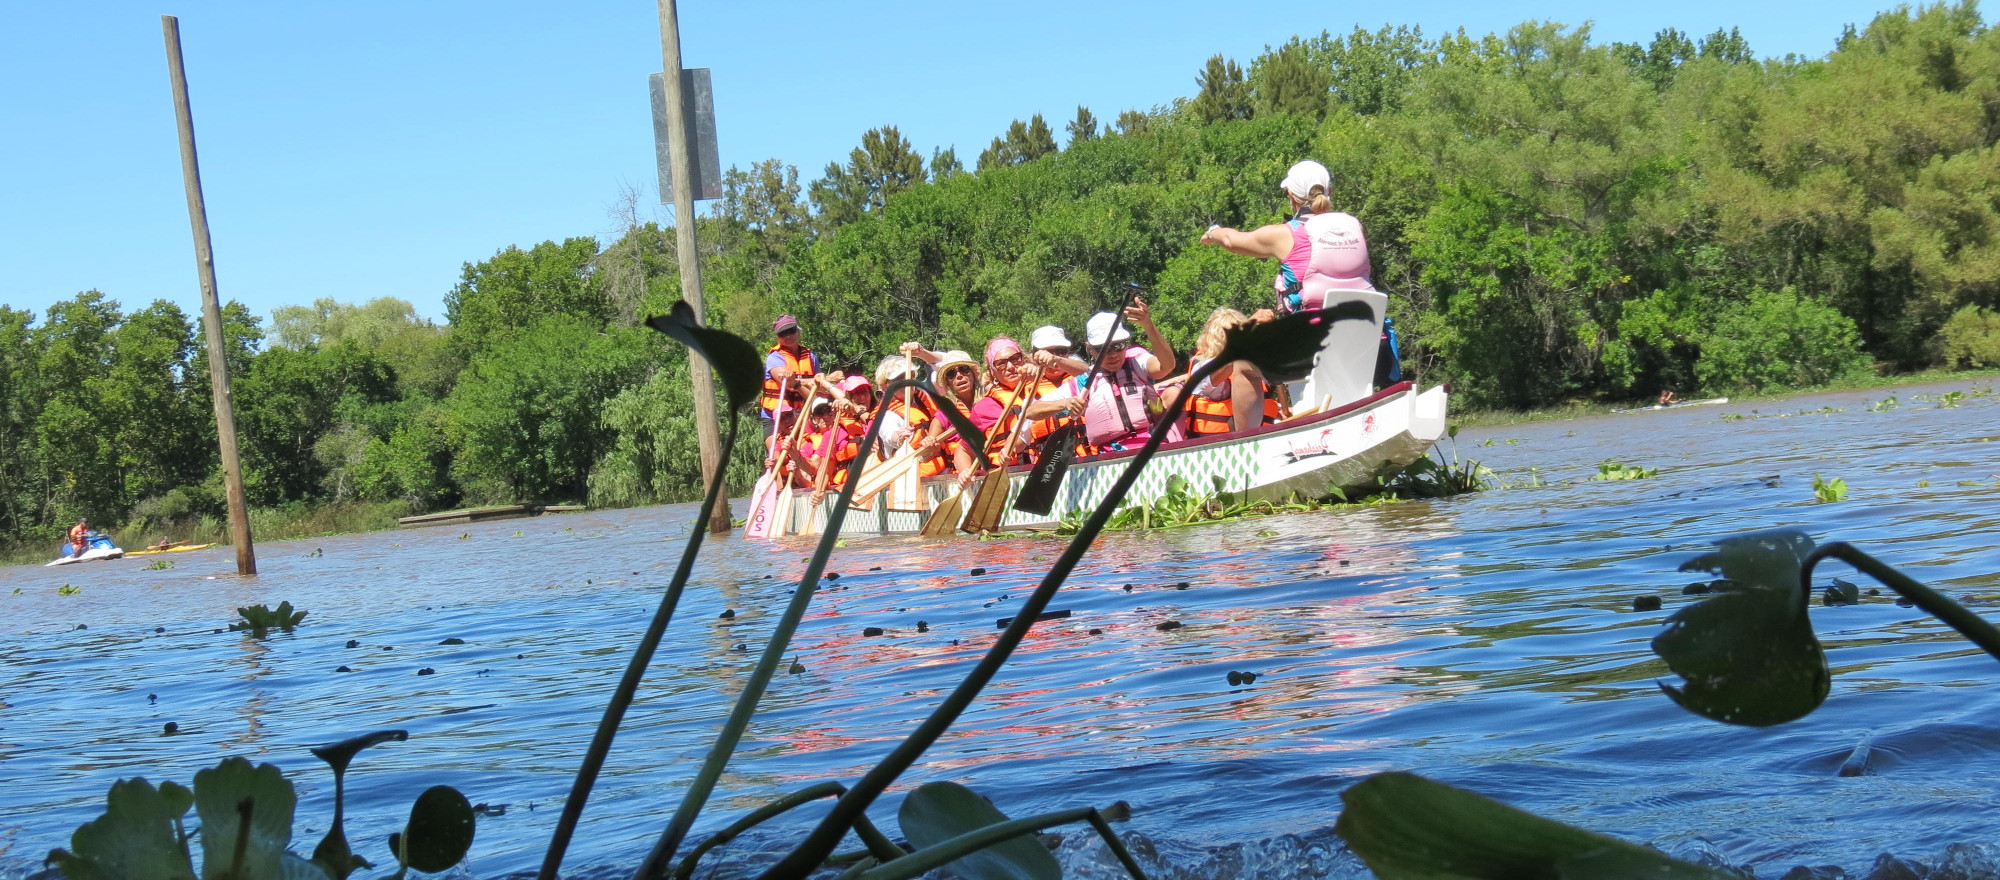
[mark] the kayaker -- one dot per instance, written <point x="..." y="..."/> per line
<point x="788" y="358"/>
<point x="1234" y="398"/>
<point x="1011" y="405"/>
<point x="1318" y="249"/>
<point x="79" y="536"/>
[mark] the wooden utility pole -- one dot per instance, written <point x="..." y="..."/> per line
<point x="211" y="309"/>
<point x="681" y="162"/>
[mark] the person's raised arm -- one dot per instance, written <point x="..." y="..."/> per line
<point x="1271" y="242"/>
<point x="1156" y="342"/>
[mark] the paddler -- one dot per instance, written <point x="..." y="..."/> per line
<point x="1234" y="398"/>
<point x="1122" y="403"/>
<point x="1012" y="405"/>
<point x="958" y="379"/>
<point x="826" y="448"/>
<point x="788" y="358"/>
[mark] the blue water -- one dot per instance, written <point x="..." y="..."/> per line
<point x="1488" y="641"/>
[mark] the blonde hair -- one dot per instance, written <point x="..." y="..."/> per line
<point x="1209" y="343"/>
<point x="1316" y="198"/>
<point x="892" y="368"/>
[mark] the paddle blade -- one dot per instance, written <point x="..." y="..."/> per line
<point x="1284" y="348"/>
<point x="944" y="519"/>
<point x="736" y="361"/>
<point x="1038" y="494"/>
<point x="989" y="504"/>
<point x="763" y="504"/>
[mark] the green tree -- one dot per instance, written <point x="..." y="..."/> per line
<point x="23" y="490"/>
<point x="1286" y="80"/>
<point x="288" y="402"/>
<point x="526" y="421"/>
<point x="74" y="432"/>
<point x="1224" y="93"/>
<point x="944" y="163"/>
<point x="497" y="298"/>
<point x="1084" y="127"/>
<point x="884" y="164"/>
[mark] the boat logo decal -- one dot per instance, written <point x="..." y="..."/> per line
<point x="1302" y="451"/>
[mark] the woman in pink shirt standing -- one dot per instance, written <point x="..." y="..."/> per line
<point x="1318" y="249"/>
<point x="1322" y="260"/>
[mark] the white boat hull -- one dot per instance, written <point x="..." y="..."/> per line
<point x="1347" y="449"/>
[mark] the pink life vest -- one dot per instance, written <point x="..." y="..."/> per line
<point x="1329" y="252"/>
<point x="1117" y="406"/>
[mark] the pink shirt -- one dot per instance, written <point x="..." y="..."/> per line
<point x="1329" y="252"/>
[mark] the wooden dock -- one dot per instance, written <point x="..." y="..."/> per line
<point x="481" y="514"/>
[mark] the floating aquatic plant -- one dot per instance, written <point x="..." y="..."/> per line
<point x="1748" y="654"/>
<point x="1611" y="470"/>
<point x="245" y="833"/>
<point x="1829" y="491"/>
<point x="260" y="620"/>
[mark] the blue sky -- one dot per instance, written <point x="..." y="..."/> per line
<point x="364" y="149"/>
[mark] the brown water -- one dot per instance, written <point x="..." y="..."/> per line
<point x="1488" y="641"/>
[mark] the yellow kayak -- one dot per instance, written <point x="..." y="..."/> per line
<point x="181" y="549"/>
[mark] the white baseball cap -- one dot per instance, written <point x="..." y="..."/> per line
<point x="1098" y="330"/>
<point x="1302" y="177"/>
<point x="1048" y="337"/>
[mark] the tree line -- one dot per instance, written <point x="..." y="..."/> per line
<point x="1552" y="218"/>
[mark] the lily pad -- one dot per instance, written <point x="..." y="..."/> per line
<point x="939" y="811"/>
<point x="439" y="833"/>
<point x="1406" y="827"/>
<point x="1747" y="655"/>
<point x="137" y="838"/>
<point x="735" y="360"/>
<point x="227" y="796"/>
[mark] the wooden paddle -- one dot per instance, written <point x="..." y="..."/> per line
<point x="990" y="503"/>
<point x="781" y="519"/>
<point x="764" y="496"/>
<point x="1038" y="495"/>
<point x="877" y="474"/>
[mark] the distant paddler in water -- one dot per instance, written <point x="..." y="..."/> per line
<point x="1322" y="259"/>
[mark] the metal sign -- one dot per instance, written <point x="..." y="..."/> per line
<point x="698" y="104"/>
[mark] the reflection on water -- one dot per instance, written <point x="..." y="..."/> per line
<point x="1487" y="641"/>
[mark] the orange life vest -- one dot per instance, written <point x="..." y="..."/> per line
<point x="917" y="416"/>
<point x="844" y="453"/>
<point x="1037" y="429"/>
<point x="1216" y="416"/>
<point x="802" y="365"/>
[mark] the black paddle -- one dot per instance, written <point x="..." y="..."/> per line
<point x="1038" y="494"/>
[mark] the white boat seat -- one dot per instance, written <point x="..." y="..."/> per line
<point x="1344" y="371"/>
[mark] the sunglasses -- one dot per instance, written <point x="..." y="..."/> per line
<point x="1014" y="360"/>
<point x="789" y="331"/>
<point x="1058" y="350"/>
